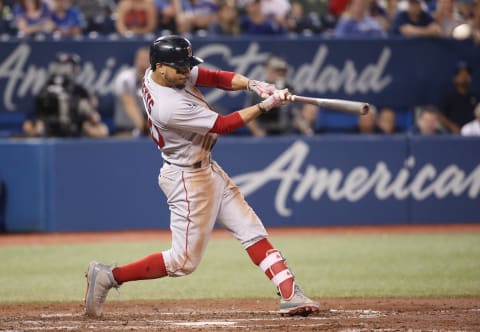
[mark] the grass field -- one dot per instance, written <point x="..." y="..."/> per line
<point x="357" y="265"/>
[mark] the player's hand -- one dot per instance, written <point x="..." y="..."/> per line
<point x="278" y="98"/>
<point x="263" y="89"/>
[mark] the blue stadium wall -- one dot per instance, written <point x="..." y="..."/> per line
<point x="86" y="185"/>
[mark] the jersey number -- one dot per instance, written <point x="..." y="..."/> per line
<point x="148" y="101"/>
<point x="155" y="133"/>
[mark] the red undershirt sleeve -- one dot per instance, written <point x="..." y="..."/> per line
<point x="215" y="78"/>
<point x="227" y="124"/>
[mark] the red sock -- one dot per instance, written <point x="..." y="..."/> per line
<point x="150" y="267"/>
<point x="258" y="252"/>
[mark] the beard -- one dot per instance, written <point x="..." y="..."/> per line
<point x="175" y="82"/>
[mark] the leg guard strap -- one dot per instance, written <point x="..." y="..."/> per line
<point x="281" y="277"/>
<point x="272" y="258"/>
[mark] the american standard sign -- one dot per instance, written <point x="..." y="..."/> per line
<point x="371" y="70"/>
<point x="22" y="78"/>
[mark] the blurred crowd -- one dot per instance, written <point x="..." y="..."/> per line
<point x="336" y="18"/>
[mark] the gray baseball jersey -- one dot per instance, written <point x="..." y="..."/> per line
<point x="181" y="121"/>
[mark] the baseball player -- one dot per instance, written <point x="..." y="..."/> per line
<point x="198" y="190"/>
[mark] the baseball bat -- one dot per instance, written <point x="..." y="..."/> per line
<point x="348" y="106"/>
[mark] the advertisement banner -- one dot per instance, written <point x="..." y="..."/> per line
<point x="84" y="185"/>
<point x="339" y="179"/>
<point x="399" y="73"/>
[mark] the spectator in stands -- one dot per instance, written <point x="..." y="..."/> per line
<point x="97" y="15"/>
<point x="367" y="124"/>
<point x="277" y="10"/>
<point x="32" y="17"/>
<point x="285" y="119"/>
<point x="166" y="14"/>
<point x="3" y="18"/>
<point x="227" y="22"/>
<point x="6" y="18"/>
<point x="427" y="122"/>
<point x="63" y="107"/>
<point x="254" y="22"/>
<point x="446" y="16"/>
<point x="415" y="21"/>
<point x="357" y="22"/>
<point x="459" y="103"/>
<point x="309" y="23"/>
<point x="472" y="128"/>
<point x="136" y="17"/>
<point x="379" y="12"/>
<point x="391" y="11"/>
<point x="473" y="23"/>
<point x="386" y="121"/>
<point x="195" y="15"/>
<point x="68" y="20"/>
<point x="464" y="8"/>
<point x="305" y="118"/>
<point x="384" y="11"/>
<point x="337" y="7"/>
<point x="129" y="116"/>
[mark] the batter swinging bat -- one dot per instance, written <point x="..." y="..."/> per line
<point x="354" y="107"/>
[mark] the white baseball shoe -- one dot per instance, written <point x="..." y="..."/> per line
<point x="298" y="305"/>
<point x="99" y="281"/>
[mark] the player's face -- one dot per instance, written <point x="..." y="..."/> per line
<point x="176" y="76"/>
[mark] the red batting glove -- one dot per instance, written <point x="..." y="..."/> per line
<point x="278" y="98"/>
<point x="263" y="89"/>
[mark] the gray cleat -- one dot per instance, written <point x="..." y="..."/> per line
<point x="99" y="281"/>
<point x="298" y="305"/>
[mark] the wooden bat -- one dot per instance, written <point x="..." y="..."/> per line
<point x="348" y="106"/>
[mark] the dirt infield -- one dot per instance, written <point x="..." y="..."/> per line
<point x="251" y="315"/>
<point x="412" y="314"/>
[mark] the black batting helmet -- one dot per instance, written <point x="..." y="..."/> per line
<point x="174" y="51"/>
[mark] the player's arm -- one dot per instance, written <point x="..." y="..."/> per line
<point x="227" y="80"/>
<point x="229" y="123"/>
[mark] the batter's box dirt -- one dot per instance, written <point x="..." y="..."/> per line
<point x="456" y="314"/>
